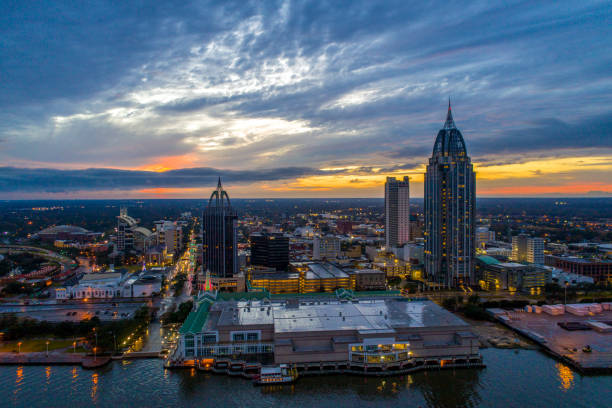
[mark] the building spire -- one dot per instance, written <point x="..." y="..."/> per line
<point x="450" y="123"/>
<point x="218" y="195"/>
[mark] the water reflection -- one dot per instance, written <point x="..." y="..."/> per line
<point x="445" y="388"/>
<point x="18" y="380"/>
<point x="566" y="376"/>
<point x="508" y="380"/>
<point x="450" y="388"/>
<point x="94" y="386"/>
<point x="48" y="373"/>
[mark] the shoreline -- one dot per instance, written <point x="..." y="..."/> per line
<point x="41" y="358"/>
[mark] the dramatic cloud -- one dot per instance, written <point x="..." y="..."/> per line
<point x="53" y="181"/>
<point x="301" y="87"/>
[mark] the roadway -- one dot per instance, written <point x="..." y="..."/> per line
<point x="74" y="312"/>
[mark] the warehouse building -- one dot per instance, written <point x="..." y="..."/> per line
<point x="371" y="333"/>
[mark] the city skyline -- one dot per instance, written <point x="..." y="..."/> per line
<point x="290" y="99"/>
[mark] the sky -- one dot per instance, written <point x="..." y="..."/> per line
<point x="138" y="99"/>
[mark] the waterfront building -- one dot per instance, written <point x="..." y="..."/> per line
<point x="598" y="269"/>
<point x="562" y="278"/>
<point x="326" y="247"/>
<point x="528" y="249"/>
<point x="219" y="223"/>
<point x="270" y="250"/>
<point x="362" y="333"/>
<point x="450" y="208"/>
<point x="397" y="212"/>
<point x="512" y="276"/>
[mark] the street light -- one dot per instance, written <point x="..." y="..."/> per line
<point x="74" y="346"/>
<point x="47" y="342"/>
<point x="566" y="285"/>
<point x="95" y="353"/>
<point x="18" y="347"/>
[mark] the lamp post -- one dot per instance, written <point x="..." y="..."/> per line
<point x="47" y="343"/>
<point x="18" y="347"/>
<point x="566" y="285"/>
<point x="95" y="353"/>
<point x="74" y="346"/>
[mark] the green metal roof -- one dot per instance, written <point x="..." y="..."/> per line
<point x="196" y="319"/>
<point x="489" y="260"/>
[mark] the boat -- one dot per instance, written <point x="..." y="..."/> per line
<point x="281" y="374"/>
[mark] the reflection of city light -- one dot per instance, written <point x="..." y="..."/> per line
<point x="19" y="377"/>
<point x="94" y="386"/>
<point x="48" y="372"/>
<point x="566" y="376"/>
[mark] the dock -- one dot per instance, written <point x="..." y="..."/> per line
<point x="566" y="336"/>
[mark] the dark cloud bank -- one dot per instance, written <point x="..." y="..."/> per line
<point x="53" y="181"/>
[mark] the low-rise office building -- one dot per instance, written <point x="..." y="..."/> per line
<point x="512" y="276"/>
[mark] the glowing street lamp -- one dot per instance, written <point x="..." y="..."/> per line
<point x="19" y="347"/>
<point x="95" y="353"/>
<point x="47" y="343"/>
<point x="74" y="346"/>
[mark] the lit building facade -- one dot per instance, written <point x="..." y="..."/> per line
<point x="484" y="236"/>
<point x="397" y="212"/>
<point x="528" y="249"/>
<point x="219" y="222"/>
<point x="512" y="276"/>
<point x="327" y="247"/>
<point x="450" y="208"/>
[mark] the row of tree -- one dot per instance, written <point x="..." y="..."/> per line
<point x="107" y="335"/>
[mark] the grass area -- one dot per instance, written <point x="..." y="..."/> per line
<point x="32" y="345"/>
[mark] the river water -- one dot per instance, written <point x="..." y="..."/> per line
<point x="513" y="378"/>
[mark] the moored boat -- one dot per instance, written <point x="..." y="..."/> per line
<point x="281" y="374"/>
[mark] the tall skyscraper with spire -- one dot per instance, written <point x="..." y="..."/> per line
<point x="219" y="235"/>
<point x="450" y="209"/>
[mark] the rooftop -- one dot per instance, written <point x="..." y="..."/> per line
<point x="88" y="277"/>
<point x="489" y="260"/>
<point x="73" y="229"/>
<point x="366" y="315"/>
<point x="362" y="315"/>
